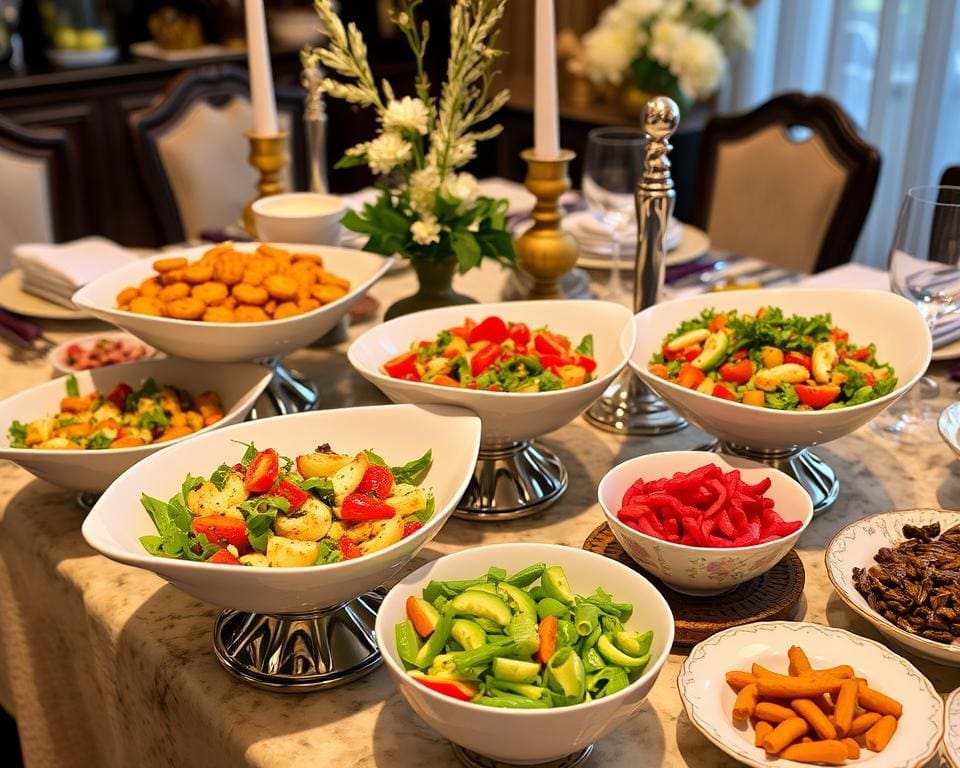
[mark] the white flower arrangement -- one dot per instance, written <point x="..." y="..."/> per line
<point x="427" y="208"/>
<point x="679" y="48"/>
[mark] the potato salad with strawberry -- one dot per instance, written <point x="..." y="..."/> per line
<point x="497" y="356"/>
<point x="271" y="511"/>
<point x="769" y="360"/>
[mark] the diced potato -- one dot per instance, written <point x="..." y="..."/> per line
<point x="310" y="523"/>
<point x="321" y="464"/>
<point x="255" y="559"/>
<point x="706" y="386"/>
<point x="39" y="431"/>
<point x="437" y="366"/>
<point x="407" y="499"/>
<point x="823" y="360"/>
<point x="768" y="379"/>
<point x="59" y="444"/>
<point x="106" y="412"/>
<point x="233" y="492"/>
<point x="206" y="499"/>
<point x="288" y="553"/>
<point x="376" y="534"/>
<point x="337" y="530"/>
<point x="771" y="357"/>
<point x="754" y="397"/>
<point x="346" y="479"/>
<point x="572" y="375"/>
<point x="457" y="346"/>
<point x="169" y="400"/>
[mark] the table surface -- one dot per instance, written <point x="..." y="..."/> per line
<point x="107" y="665"/>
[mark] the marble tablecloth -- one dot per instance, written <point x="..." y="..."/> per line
<point x="105" y="665"/>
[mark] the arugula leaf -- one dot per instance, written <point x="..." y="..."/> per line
<point x="784" y="398"/>
<point x="247" y="454"/>
<point x="854" y="379"/>
<point x="17" y="434"/>
<point x="259" y="515"/>
<point x="73" y="388"/>
<point x="329" y="552"/>
<point x="585" y="347"/>
<point x="694" y="324"/>
<point x="154" y="419"/>
<point x="461" y="366"/>
<point x="426" y="513"/>
<point x="414" y="471"/>
<point x="219" y="476"/>
<point x="547" y="382"/>
<point x="322" y="488"/>
<point x="374" y="458"/>
<point x="174" y="534"/>
<point x="99" y="441"/>
<point x="885" y="386"/>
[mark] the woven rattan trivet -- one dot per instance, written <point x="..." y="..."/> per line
<point x="774" y="595"/>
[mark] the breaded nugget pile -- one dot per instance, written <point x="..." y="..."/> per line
<point x="227" y="286"/>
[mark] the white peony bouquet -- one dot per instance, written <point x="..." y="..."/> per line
<point x="427" y="208"/>
<point x="678" y="48"/>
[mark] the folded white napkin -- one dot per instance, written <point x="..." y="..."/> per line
<point x="56" y="272"/>
<point x="594" y="236"/>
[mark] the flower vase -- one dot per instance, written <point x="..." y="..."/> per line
<point x="436" y="289"/>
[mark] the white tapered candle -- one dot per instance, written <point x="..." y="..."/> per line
<point x="546" y="117"/>
<point x="261" y="73"/>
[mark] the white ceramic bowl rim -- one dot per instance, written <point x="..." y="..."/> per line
<point x="716" y="459"/>
<point x="869" y="614"/>
<point x="265" y="205"/>
<point x="652" y="669"/>
<point x="125" y="555"/>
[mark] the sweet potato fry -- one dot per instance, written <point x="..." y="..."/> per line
<point x="815" y="718"/>
<point x="843" y="671"/>
<point x="738" y="680"/>
<point x="746" y="702"/>
<point x="761" y="732"/>
<point x="831" y="752"/>
<point x="785" y="734"/>
<point x="880" y="734"/>
<point x="799" y="663"/>
<point x="845" y="706"/>
<point x="863" y="723"/>
<point x="796" y="687"/>
<point x="874" y="701"/>
<point x="773" y="713"/>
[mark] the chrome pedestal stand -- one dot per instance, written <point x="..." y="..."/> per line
<point x="288" y="391"/>
<point x="86" y="500"/>
<point x="299" y="653"/>
<point x="813" y="473"/>
<point x="512" y="480"/>
<point x="628" y="407"/>
<point x="474" y="760"/>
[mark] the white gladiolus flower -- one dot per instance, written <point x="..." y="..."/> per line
<point x="699" y="64"/>
<point x="387" y="151"/>
<point x="407" y="114"/>
<point x="357" y="149"/>
<point x="608" y="51"/>
<point x="423" y="186"/>
<point x="665" y="37"/>
<point x="462" y="186"/>
<point x="711" y="7"/>
<point x="462" y="153"/>
<point x="738" y="31"/>
<point x="426" y="231"/>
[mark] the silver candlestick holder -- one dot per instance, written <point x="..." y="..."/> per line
<point x="315" y="121"/>
<point x="628" y="407"/>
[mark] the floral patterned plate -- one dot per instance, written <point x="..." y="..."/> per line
<point x="855" y="546"/>
<point x="708" y="700"/>
<point x="951" y="736"/>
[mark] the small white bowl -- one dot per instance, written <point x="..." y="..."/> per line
<point x="506" y="416"/>
<point x="888" y="320"/>
<point x="232" y="342"/>
<point x="299" y="217"/>
<point x="399" y="433"/>
<point x="708" y="700"/>
<point x="57" y="357"/>
<point x="949" y="426"/>
<point x="855" y="546"/>
<point x="529" y="736"/>
<point x="702" y="570"/>
<point x="238" y="384"/>
<point x="951" y="736"/>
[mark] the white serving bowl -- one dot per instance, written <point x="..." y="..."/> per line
<point x="238" y="384"/>
<point x="949" y="426"/>
<point x="708" y="699"/>
<point x="529" y="736"/>
<point x="299" y="217"/>
<point x="855" y="546"/>
<point x="57" y="357"/>
<point x="951" y="736"/>
<point x="888" y="320"/>
<point x="232" y="342"/>
<point x="702" y="570"/>
<point x="397" y="433"/>
<point x="506" y="416"/>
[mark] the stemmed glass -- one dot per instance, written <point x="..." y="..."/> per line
<point x="611" y="169"/>
<point x="924" y="268"/>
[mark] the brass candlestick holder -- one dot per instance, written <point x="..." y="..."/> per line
<point x="268" y="154"/>
<point x="545" y="252"/>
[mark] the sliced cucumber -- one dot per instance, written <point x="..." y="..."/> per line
<point x="518" y="600"/>
<point x="714" y="349"/>
<point x="483" y="605"/>
<point x="484" y="587"/>
<point x="468" y="633"/>
<point x="615" y="656"/>
<point x="555" y="584"/>
<point x="688" y="339"/>
<point x="515" y="670"/>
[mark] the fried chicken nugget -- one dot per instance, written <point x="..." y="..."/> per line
<point x="286" y="309"/>
<point x="327" y="293"/>
<point x="245" y="293"/>
<point x="272" y="251"/>
<point x="304" y="272"/>
<point x="165" y="265"/>
<point x="244" y="313"/>
<point x="308" y="305"/>
<point x="127" y="295"/>
<point x="312" y="257"/>
<point x="229" y="303"/>
<point x="253" y="276"/>
<point x="150" y="287"/>
<point x="173" y="292"/>
<point x="211" y="293"/>
<point x="328" y="278"/>
<point x="147" y="305"/>
<point x="270" y="307"/>
<point x="198" y="273"/>
<point x="171" y="277"/>
<point x="219" y="314"/>
<point x="187" y="308"/>
<point x="228" y="268"/>
<point x="281" y="287"/>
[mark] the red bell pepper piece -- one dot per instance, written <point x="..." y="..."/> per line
<point x="402" y="365"/>
<point x="839" y="335"/>
<point x="223" y="557"/>
<point x="547" y="633"/>
<point x="723" y="393"/>
<point x="418" y="611"/>
<point x="520" y="333"/>
<point x="222" y="530"/>
<point x="294" y="495"/>
<point x="670" y="354"/>
<point x="547" y="343"/>
<point x="445" y="381"/>
<point x="692" y="353"/>
<point x="118" y="395"/>
<point x="349" y="549"/>
<point x="490" y="329"/>
<point x="817" y="396"/>
<point x="411" y="528"/>
<point x="862" y="354"/>
<point x="463" y="331"/>
<point x="377" y="481"/>
<point x="798" y="358"/>
<point x="356" y="506"/>
<point x="587" y="363"/>
<point x="553" y="361"/>
<point x="738" y="373"/>
<point x="483" y="358"/>
<point x="262" y="472"/>
<point x="690" y="376"/>
<point x="717" y="323"/>
<point x="456" y="689"/>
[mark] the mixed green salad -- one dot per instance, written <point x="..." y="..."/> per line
<point x="771" y="360"/>
<point x="520" y="641"/>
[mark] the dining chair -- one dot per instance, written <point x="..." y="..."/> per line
<point x="192" y="153"/>
<point x="945" y="228"/>
<point x="789" y="183"/>
<point x="40" y="198"/>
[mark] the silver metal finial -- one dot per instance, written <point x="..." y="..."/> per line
<point x="315" y="120"/>
<point x="661" y="118"/>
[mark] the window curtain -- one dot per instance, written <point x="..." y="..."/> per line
<point x="894" y="65"/>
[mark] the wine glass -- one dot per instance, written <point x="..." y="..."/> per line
<point x="924" y="261"/>
<point x="611" y="170"/>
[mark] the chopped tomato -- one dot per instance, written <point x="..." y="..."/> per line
<point x="671" y="354"/>
<point x="411" y="527"/>
<point x="862" y="354"/>
<point x="547" y="343"/>
<point x="262" y="471"/>
<point x="692" y="353"/>
<point x="222" y="530"/>
<point x="717" y="323"/>
<point x="294" y="495"/>
<point x="490" y="329"/>
<point x="349" y="549"/>
<point x="376" y="481"/>
<point x="738" y="373"/>
<point x="224" y="557"/>
<point x="118" y="395"/>
<point x="553" y="361"/>
<point x="520" y="333"/>
<point x="587" y="363"/>
<point x="463" y="331"/>
<point x="445" y="381"/>
<point x="817" y="396"/>
<point x="690" y="376"/>
<point x="798" y="358"/>
<point x="723" y="393"/>
<point x="660" y="371"/>
<point x="356" y="506"/>
<point x="484" y="358"/>
<point x="402" y="365"/>
<point x="838" y="335"/>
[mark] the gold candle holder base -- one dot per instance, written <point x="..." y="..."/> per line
<point x="545" y="251"/>
<point x="268" y="154"/>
